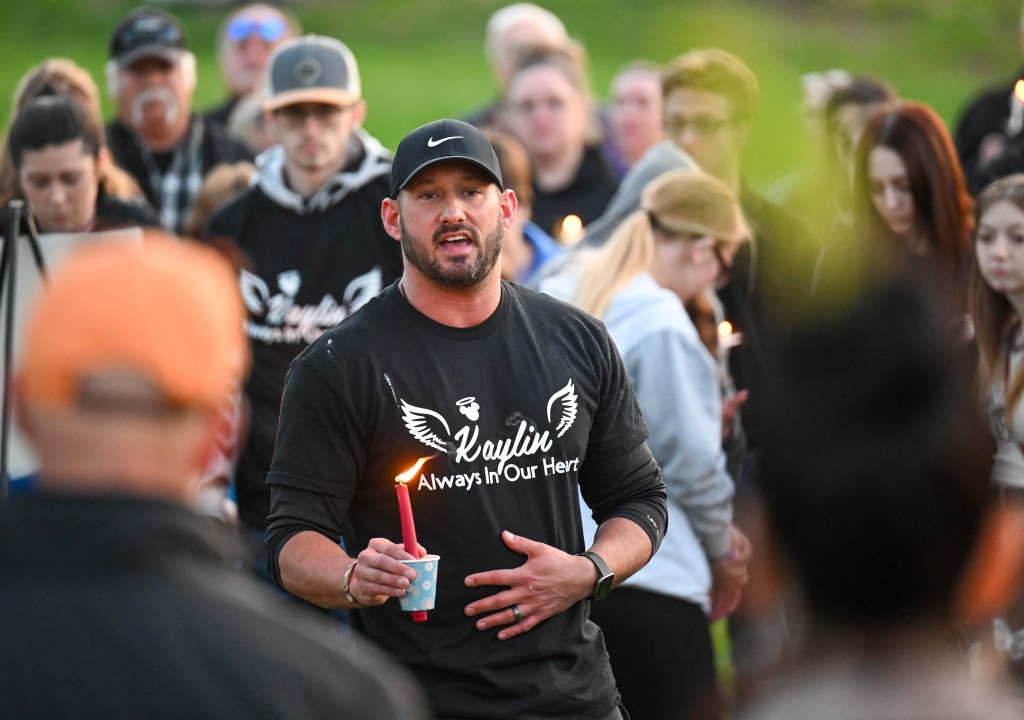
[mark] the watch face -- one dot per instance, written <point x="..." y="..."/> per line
<point x="606" y="578"/>
<point x="604" y="586"/>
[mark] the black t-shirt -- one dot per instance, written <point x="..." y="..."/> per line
<point x="301" y="275"/>
<point x="516" y="413"/>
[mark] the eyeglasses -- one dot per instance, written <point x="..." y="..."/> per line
<point x="270" y="29"/>
<point x="703" y="125"/>
<point x="324" y="114"/>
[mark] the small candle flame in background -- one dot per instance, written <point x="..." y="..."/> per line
<point x="411" y="472"/>
<point x="571" y="230"/>
<point x="1016" y="121"/>
<point x="726" y="336"/>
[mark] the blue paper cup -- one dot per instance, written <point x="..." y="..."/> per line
<point x="420" y="595"/>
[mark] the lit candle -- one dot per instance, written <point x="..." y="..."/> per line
<point x="1016" y="121"/>
<point x="727" y="337"/>
<point x="408" y="526"/>
<point x="570" y="231"/>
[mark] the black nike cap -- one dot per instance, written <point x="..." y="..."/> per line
<point x="442" y="140"/>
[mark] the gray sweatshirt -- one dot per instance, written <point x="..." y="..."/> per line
<point x="677" y="386"/>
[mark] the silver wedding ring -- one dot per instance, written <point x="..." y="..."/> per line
<point x="516" y="614"/>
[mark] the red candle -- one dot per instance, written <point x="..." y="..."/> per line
<point x="408" y="526"/>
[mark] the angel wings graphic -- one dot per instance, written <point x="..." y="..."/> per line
<point x="262" y="302"/>
<point x="431" y="428"/>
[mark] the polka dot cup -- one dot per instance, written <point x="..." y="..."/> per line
<point x="420" y="595"/>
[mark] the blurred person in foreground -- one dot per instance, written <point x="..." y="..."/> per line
<point x="156" y="137"/>
<point x="675" y="248"/>
<point x="247" y="38"/>
<point x="130" y="356"/>
<point x="875" y="486"/>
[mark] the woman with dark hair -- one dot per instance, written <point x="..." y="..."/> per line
<point x="60" y="76"/>
<point x="909" y="204"/>
<point x="908" y="185"/>
<point x="57" y="151"/>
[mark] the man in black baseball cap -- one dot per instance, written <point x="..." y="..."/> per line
<point x="518" y="402"/>
<point x="442" y="140"/>
<point x="448" y="159"/>
<point x="145" y="33"/>
<point x="151" y="75"/>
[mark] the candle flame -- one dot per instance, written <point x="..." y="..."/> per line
<point x="1018" y="91"/>
<point x="571" y="230"/>
<point x="408" y="474"/>
<point x="724" y="329"/>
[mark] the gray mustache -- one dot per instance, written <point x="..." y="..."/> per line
<point x="162" y="96"/>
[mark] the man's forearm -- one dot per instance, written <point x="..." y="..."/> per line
<point x="624" y="545"/>
<point x="313" y="568"/>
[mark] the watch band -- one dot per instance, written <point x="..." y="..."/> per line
<point x="605" y="576"/>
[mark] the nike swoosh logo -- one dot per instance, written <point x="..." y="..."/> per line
<point x="434" y="143"/>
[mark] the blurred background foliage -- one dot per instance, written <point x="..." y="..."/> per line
<point x="423" y="59"/>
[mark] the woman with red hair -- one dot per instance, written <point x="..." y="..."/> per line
<point x="908" y="185"/>
<point x="910" y="204"/>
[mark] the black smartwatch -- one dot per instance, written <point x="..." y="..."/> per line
<point x="605" y="576"/>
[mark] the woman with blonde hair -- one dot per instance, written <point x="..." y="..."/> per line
<point x="548" y="107"/>
<point x="676" y="247"/>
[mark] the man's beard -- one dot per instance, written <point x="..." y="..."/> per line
<point x="460" y="274"/>
<point x="162" y="96"/>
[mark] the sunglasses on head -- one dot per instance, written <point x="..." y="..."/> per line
<point x="269" y="29"/>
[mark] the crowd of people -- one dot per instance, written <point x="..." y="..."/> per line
<point x="652" y="420"/>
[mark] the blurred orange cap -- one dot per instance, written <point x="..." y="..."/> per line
<point x="166" y="310"/>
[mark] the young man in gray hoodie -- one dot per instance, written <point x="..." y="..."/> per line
<point x="309" y="235"/>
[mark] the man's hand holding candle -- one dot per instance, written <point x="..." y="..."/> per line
<point x="379" y="574"/>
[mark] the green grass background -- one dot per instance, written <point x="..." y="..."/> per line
<point x="424" y="59"/>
